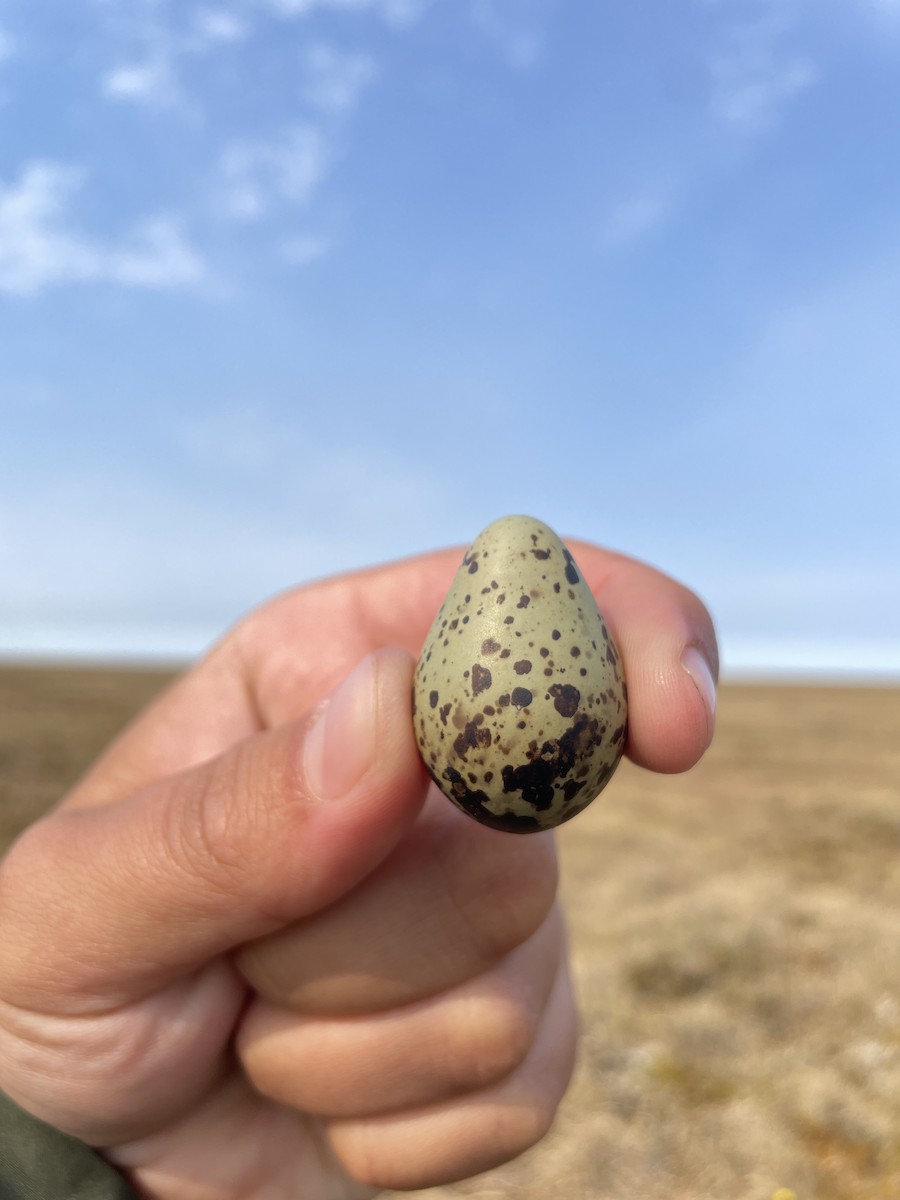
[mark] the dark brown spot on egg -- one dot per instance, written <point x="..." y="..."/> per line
<point x="481" y="679"/>
<point x="572" y="575"/>
<point x="543" y="555"/>
<point x="556" y="635"/>
<point x="575" y="652"/>
<point x="433" y="699"/>
<point x="521" y="697"/>
<point x="490" y="646"/>
<point x="522" y="667"/>
<point x="535" y="780"/>
<point x="565" y="699"/>
<point x="473" y="737"/>
<point x="475" y="802"/>
<point x="524" y="601"/>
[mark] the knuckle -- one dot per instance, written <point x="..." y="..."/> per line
<point x="499" y="1039"/>
<point x="229" y="820"/>
<point x="197" y="825"/>
<point x="361" y="1154"/>
<point x="508" y="898"/>
<point x="519" y="1127"/>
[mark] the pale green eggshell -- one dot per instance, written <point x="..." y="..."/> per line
<point x="519" y="697"/>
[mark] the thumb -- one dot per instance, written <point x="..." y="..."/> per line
<point x="101" y="906"/>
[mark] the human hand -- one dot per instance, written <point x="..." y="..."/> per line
<point x="248" y="956"/>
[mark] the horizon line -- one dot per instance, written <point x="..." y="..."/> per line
<point x="780" y="660"/>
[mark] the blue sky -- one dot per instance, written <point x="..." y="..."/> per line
<point x="291" y="286"/>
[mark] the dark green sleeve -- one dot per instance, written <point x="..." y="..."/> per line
<point x="38" y="1162"/>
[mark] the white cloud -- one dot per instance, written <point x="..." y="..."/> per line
<point x="335" y="79"/>
<point x="137" y="572"/>
<point x="153" y="78"/>
<point x="754" y="76"/>
<point x="217" y="25"/>
<point x="856" y="660"/>
<point x="150" y="82"/>
<point x="633" y="219"/>
<point x="8" y="45"/>
<point x="398" y="13"/>
<point x="257" y="175"/>
<point x="511" y="28"/>
<point x="157" y="256"/>
<point x="305" y="248"/>
<point x="751" y="94"/>
<point x="38" y="250"/>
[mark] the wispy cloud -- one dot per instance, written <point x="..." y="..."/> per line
<point x="154" y="76"/>
<point x="335" y="79"/>
<point x="634" y="218"/>
<point x="219" y="25"/>
<point x="398" y="13"/>
<point x="157" y="255"/>
<point x="751" y="93"/>
<point x="257" y="175"/>
<point x="305" y="248"/>
<point x="512" y="28"/>
<point x="754" y="75"/>
<point x="8" y="45"/>
<point x="38" y="249"/>
<point x="150" y="82"/>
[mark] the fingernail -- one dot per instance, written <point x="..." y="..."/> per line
<point x="697" y="666"/>
<point x="340" y="746"/>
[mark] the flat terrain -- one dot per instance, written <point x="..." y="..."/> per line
<point x="736" y="938"/>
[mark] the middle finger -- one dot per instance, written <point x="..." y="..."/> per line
<point x="451" y="901"/>
<point x="465" y="1039"/>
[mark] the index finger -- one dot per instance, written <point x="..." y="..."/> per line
<point x="282" y="658"/>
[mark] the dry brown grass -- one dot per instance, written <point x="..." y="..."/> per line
<point x="736" y="939"/>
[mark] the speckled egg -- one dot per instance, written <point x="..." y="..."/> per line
<point x="519" y="699"/>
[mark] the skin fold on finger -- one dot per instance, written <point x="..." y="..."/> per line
<point x="450" y="901"/>
<point x="456" y="1139"/>
<point x="461" y="1041"/>
<point x="110" y="1076"/>
<point x="237" y="1144"/>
